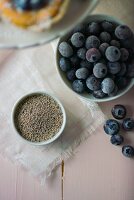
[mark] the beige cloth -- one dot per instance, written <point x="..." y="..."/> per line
<point x="31" y="70"/>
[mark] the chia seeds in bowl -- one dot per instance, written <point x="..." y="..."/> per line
<point x="39" y="118"/>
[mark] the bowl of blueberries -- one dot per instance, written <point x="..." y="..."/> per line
<point x="96" y="59"/>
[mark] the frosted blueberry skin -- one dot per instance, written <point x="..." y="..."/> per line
<point x="117" y="139"/>
<point x="119" y="112"/>
<point x="81" y="53"/>
<point x="105" y="37"/>
<point x="65" y="49"/>
<point x="103" y="48"/>
<point x="113" y="54"/>
<point x="94" y="28"/>
<point x="107" y="85"/>
<point x="78" y="86"/>
<point x="111" y="127"/>
<point x="100" y="70"/>
<point x="82" y="73"/>
<point x="128" y="124"/>
<point x="93" y="83"/>
<point x="93" y="55"/>
<point x="99" y="94"/>
<point x="64" y="64"/>
<point x="71" y="75"/>
<point x="123" y="32"/>
<point x="92" y="42"/>
<point x="114" y="67"/>
<point x="78" y="40"/>
<point x="128" y="151"/>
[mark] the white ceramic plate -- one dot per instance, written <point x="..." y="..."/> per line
<point x="86" y="96"/>
<point x="12" y="37"/>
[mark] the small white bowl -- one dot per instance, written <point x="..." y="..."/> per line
<point x="43" y="142"/>
<point x="86" y="96"/>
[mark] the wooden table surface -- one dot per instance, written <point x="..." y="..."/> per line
<point x="98" y="171"/>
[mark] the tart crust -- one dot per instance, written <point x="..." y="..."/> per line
<point x="36" y="20"/>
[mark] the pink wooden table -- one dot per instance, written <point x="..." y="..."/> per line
<point x="98" y="171"/>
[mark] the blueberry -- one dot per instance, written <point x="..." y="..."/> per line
<point x="82" y="73"/>
<point x="71" y="75"/>
<point x="80" y="28"/>
<point x="107" y="85"/>
<point x="130" y="70"/>
<point x="117" y="139"/>
<point x="124" y="54"/>
<point x="119" y="112"/>
<point x="128" y="124"/>
<point x="128" y="151"/>
<point x="75" y="61"/>
<point x="78" y="86"/>
<point x="99" y="94"/>
<point x="29" y="4"/>
<point x="123" y="70"/>
<point x="103" y="48"/>
<point x="107" y="26"/>
<point x="88" y="65"/>
<point x="78" y="40"/>
<point x="114" y="92"/>
<point x="65" y="64"/>
<point x="93" y="55"/>
<point x="81" y="53"/>
<point x="115" y="43"/>
<point x="105" y="37"/>
<point x="94" y="28"/>
<point x="114" y="67"/>
<point x="112" y="54"/>
<point x="121" y="82"/>
<point x="111" y="127"/>
<point x="92" y="42"/>
<point x="100" y="70"/>
<point x="65" y="49"/>
<point x="123" y="32"/>
<point x="93" y="83"/>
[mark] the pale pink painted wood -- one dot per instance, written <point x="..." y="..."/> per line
<point x="99" y="170"/>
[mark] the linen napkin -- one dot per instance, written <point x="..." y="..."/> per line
<point x="30" y="70"/>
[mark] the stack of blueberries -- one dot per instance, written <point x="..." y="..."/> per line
<point x="98" y="58"/>
<point x="112" y="128"/>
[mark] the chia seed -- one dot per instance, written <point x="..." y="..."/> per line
<point x="38" y="118"/>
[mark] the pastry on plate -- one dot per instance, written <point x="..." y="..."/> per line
<point x="36" y="15"/>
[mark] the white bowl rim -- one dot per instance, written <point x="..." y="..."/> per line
<point x="93" y="99"/>
<point x="57" y="135"/>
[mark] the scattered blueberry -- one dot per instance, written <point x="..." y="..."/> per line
<point x="103" y="48"/>
<point x="112" y="54"/>
<point x="107" y="85"/>
<point x="128" y="124"/>
<point x="65" y="49"/>
<point x="128" y="151"/>
<point x="117" y="139"/>
<point x="65" y="64"/>
<point x="124" y="54"/>
<point x="78" y="39"/>
<point x="99" y="94"/>
<point x="94" y="28"/>
<point x="93" y="55"/>
<point x="105" y="37"/>
<point x="123" y="70"/>
<point x="92" y="42"/>
<point x="111" y="127"/>
<point x="82" y="73"/>
<point x="100" y="70"/>
<point x="119" y="112"/>
<point x="115" y="43"/>
<point x="114" y="67"/>
<point x="108" y="26"/>
<point x="93" y="83"/>
<point x="71" y="75"/>
<point x="123" y="32"/>
<point x="81" y="53"/>
<point x="78" y="86"/>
